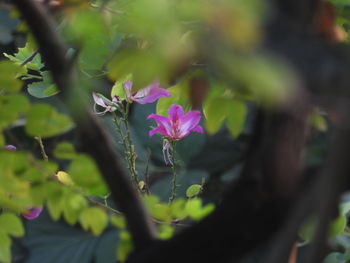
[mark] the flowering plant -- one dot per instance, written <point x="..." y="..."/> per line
<point x="178" y="125"/>
<point x="175" y="127"/>
<point x="148" y="94"/>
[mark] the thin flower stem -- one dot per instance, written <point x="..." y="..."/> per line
<point x="129" y="150"/>
<point x="173" y="168"/>
<point x="42" y="148"/>
<point x="108" y="208"/>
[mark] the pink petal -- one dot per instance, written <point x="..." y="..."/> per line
<point x="101" y="112"/>
<point x="33" y="212"/>
<point x="98" y="100"/>
<point x="11" y="147"/>
<point x="188" y="122"/>
<point x="128" y="89"/>
<point x="198" y="129"/>
<point x="150" y="94"/>
<point x="163" y="122"/>
<point x="159" y="129"/>
<point x="175" y="113"/>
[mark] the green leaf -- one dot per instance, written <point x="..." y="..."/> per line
<point x="272" y="81"/>
<point x="125" y="246"/>
<point x="38" y="194"/>
<point x="8" y="76"/>
<point x="159" y="211"/>
<point x="218" y="109"/>
<point x="85" y="173"/>
<point x="73" y="205"/>
<point x="5" y="240"/>
<point x="11" y="224"/>
<point x="95" y="219"/>
<point x="343" y="2"/>
<point x="93" y="38"/>
<point x="11" y="106"/>
<point x="195" y="209"/>
<point x="193" y="190"/>
<point x="179" y="95"/>
<point x="335" y="257"/>
<point x="37" y="173"/>
<point x="118" y="89"/>
<point x="5" y="247"/>
<point x="337" y="226"/>
<point x="150" y="200"/>
<point x="318" y="121"/>
<point x="44" y="121"/>
<point x="65" y="151"/>
<point x="177" y="209"/>
<point x="55" y="207"/>
<point x="344" y="208"/>
<point x="118" y="221"/>
<point x="5" y="254"/>
<point x="23" y="54"/>
<point x="55" y="200"/>
<point x="236" y="116"/>
<point x="133" y="61"/>
<point x="42" y="89"/>
<point x="215" y="113"/>
<point x="165" y="232"/>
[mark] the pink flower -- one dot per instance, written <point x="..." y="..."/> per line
<point x="105" y="103"/>
<point x="178" y="125"/>
<point x="148" y="94"/>
<point x="32" y="212"/>
<point x="11" y="147"/>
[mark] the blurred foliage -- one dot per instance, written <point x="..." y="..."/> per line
<point x="179" y="43"/>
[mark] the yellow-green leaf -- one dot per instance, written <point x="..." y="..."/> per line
<point x="236" y="115"/>
<point x="118" y="221"/>
<point x="95" y="219"/>
<point x="125" y="246"/>
<point x="219" y="109"/>
<point x="65" y="151"/>
<point x="11" y="224"/>
<point x="5" y="254"/>
<point x="44" y="121"/>
<point x="193" y="190"/>
<point x="11" y="106"/>
<point x="8" y="76"/>
<point x="179" y="95"/>
<point x="118" y="89"/>
<point x="85" y="173"/>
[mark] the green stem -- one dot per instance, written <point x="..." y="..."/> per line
<point x="108" y="208"/>
<point x="131" y="148"/>
<point x="42" y="148"/>
<point x="126" y="142"/>
<point x="173" y="168"/>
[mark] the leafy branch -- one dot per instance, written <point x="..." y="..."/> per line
<point x="98" y="143"/>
